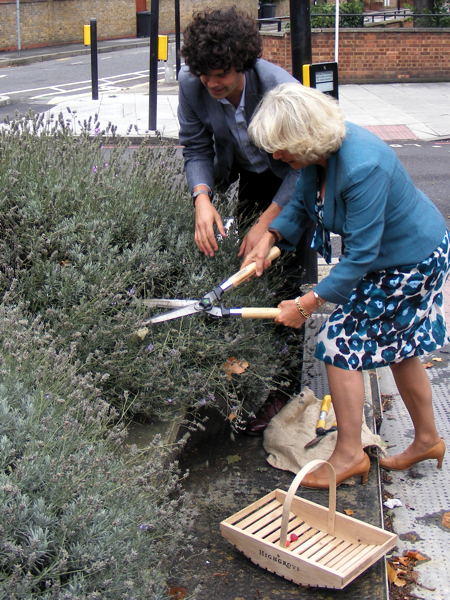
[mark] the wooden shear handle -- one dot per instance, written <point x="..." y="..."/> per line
<point x="248" y="271"/>
<point x="260" y="313"/>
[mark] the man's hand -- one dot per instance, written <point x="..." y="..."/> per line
<point x="259" y="254"/>
<point x="206" y="217"/>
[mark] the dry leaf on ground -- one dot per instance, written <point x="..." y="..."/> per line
<point x="446" y="520"/>
<point x="179" y="593"/>
<point x="234" y="366"/>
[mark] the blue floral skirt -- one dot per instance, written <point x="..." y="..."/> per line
<point x="391" y="315"/>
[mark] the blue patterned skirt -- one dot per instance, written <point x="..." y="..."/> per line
<point x="391" y="315"/>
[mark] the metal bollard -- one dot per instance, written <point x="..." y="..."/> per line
<point x="94" y="59"/>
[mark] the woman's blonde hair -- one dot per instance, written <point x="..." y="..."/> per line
<point x="299" y="119"/>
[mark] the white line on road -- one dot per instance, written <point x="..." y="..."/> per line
<point x="115" y="79"/>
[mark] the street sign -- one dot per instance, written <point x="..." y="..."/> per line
<point x="322" y="76"/>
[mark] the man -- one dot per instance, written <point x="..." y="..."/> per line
<point x="219" y="89"/>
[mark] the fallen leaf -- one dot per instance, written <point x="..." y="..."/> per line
<point x="393" y="576"/>
<point x="446" y="520"/>
<point x="410" y="536"/>
<point x="179" y="593"/>
<point x="142" y="332"/>
<point x="233" y="458"/>
<point x="234" y="366"/>
<point x="415" y="555"/>
<point x="435" y="358"/>
<point x="428" y="365"/>
<point x="349" y="511"/>
<point x="232" y="416"/>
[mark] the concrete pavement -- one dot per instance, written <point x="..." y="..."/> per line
<point x="399" y="111"/>
<point x="396" y="111"/>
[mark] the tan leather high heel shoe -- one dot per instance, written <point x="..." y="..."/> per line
<point x="398" y="462"/>
<point x="360" y="469"/>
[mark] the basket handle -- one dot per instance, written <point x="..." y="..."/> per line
<point x="293" y="488"/>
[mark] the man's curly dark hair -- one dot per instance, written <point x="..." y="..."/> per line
<point x="221" y="39"/>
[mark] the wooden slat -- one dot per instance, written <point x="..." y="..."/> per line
<point x="344" y="558"/>
<point x="311" y="542"/>
<point x="336" y="552"/>
<point x="255" y="516"/>
<point x="319" y="545"/>
<point x="369" y="549"/>
<point x="327" y="549"/>
<point x="296" y="523"/>
<point x="251" y="508"/>
<point x="269" y="521"/>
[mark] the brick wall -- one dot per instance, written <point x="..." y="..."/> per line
<point x="375" y="55"/>
<point x="189" y="7"/>
<point x="50" y="22"/>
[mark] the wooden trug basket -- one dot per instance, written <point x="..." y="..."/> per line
<point x="332" y="549"/>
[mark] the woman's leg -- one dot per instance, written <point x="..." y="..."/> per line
<point x="415" y="389"/>
<point x="347" y="394"/>
<point x="348" y="457"/>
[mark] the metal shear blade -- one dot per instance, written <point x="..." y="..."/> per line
<point x="182" y="308"/>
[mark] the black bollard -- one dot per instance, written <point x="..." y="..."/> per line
<point x="153" y="67"/>
<point x="94" y="59"/>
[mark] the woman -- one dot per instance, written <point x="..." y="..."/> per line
<point x="388" y="284"/>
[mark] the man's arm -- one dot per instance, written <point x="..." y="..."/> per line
<point x="197" y="142"/>
<point x="198" y="154"/>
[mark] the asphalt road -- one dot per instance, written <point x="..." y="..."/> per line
<point x="428" y="163"/>
<point x="39" y="85"/>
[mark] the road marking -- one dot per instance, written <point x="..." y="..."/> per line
<point x="125" y="77"/>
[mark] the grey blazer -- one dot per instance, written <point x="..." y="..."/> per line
<point x="208" y="143"/>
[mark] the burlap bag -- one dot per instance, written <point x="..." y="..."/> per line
<point x="295" y="425"/>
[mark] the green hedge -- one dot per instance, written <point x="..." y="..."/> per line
<point x="350" y="14"/>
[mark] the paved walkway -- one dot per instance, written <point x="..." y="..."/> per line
<point x="406" y="111"/>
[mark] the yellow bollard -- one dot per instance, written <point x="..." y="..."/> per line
<point x="163" y="47"/>
<point x="87" y="35"/>
<point x="306" y="73"/>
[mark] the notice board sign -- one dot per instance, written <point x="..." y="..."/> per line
<point x="322" y="76"/>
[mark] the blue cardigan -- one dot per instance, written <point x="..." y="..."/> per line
<point x="371" y="201"/>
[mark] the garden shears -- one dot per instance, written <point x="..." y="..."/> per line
<point x="206" y="304"/>
<point x="321" y="431"/>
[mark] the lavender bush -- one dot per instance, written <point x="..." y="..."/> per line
<point x="81" y="517"/>
<point x="88" y="233"/>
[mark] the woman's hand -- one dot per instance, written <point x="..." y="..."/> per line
<point x="289" y="315"/>
<point x="206" y="216"/>
<point x="252" y="238"/>
<point x="259" y="254"/>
